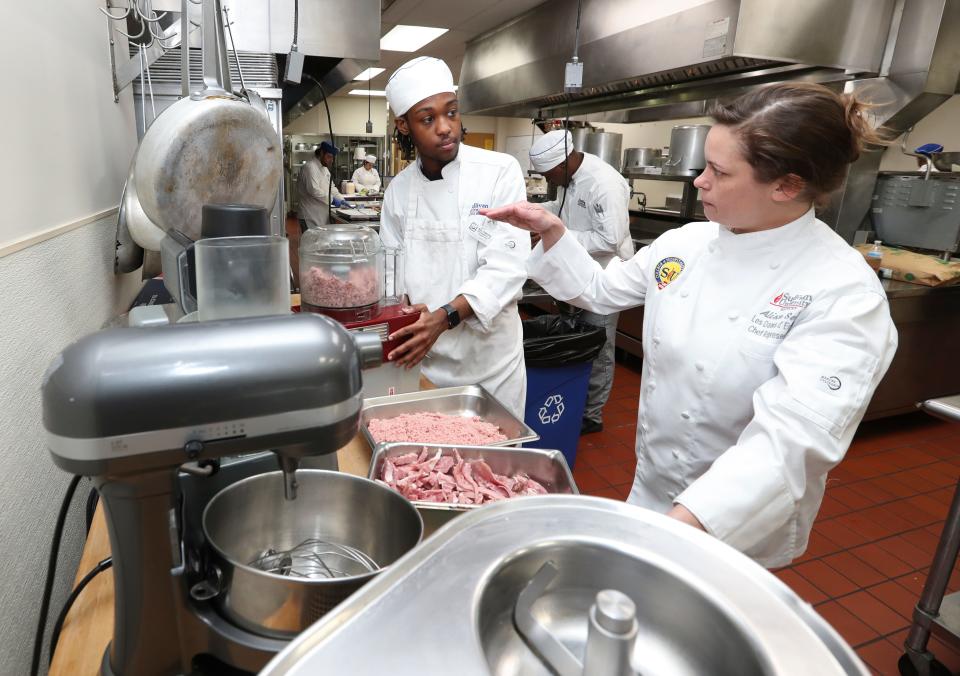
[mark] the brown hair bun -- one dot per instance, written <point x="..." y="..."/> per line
<point x="802" y="130"/>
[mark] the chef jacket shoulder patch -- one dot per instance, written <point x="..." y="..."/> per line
<point x="668" y="270"/>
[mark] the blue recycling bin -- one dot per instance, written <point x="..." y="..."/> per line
<point x="559" y="353"/>
<point x="556" y="397"/>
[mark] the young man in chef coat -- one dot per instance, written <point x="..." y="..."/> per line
<point x="463" y="272"/>
<point x="366" y="175"/>
<point x="315" y="189"/>
<point x="595" y="200"/>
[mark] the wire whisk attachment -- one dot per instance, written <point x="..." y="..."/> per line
<point x="315" y="558"/>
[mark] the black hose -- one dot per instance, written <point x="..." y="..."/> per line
<point x="296" y="23"/>
<point x="92" y="499"/>
<point x="330" y="125"/>
<point x="51" y="574"/>
<point x="55" y="635"/>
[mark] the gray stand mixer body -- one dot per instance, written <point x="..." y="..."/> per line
<point x="130" y="407"/>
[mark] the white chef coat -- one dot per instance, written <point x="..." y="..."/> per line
<point x="761" y="353"/>
<point x="449" y="249"/>
<point x="315" y="192"/>
<point x="596" y="210"/>
<point x="367" y="179"/>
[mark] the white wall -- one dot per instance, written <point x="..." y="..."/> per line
<point x="349" y="115"/>
<point x="67" y="152"/>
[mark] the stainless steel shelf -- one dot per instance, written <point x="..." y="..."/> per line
<point x="636" y="176"/>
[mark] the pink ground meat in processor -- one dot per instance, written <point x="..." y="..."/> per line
<point x="451" y="479"/>
<point x="436" y="428"/>
<point x="324" y="289"/>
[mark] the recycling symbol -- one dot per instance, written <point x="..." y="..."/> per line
<point x="551" y="410"/>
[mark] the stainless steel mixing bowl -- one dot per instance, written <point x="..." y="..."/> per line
<point x="251" y="516"/>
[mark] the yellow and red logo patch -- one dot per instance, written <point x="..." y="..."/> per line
<point x="667" y="270"/>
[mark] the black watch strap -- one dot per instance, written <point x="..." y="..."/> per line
<point x="453" y="316"/>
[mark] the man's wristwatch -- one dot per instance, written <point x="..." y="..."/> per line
<point x="453" y="316"/>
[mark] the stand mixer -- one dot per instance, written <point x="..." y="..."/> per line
<point x="205" y="391"/>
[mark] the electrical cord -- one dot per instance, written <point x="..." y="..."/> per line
<point x="55" y="634"/>
<point x="566" y="123"/>
<point x="51" y="574"/>
<point x="296" y="23"/>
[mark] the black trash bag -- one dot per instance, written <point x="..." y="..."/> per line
<point x="556" y="340"/>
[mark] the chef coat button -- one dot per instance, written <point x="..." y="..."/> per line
<point x="699" y="366"/>
<point x="676" y="453"/>
<point x="644" y="427"/>
<point x="656" y="340"/>
<point x="653" y="386"/>
<point x="733" y="314"/>
<point x="774" y="265"/>
<point x="684" y="294"/>
<point x="711" y="247"/>
<point x="685" y="415"/>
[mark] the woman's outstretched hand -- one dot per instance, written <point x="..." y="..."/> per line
<point x="530" y="217"/>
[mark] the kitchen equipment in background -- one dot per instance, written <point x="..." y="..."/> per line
<point x="467" y="401"/>
<point x="209" y="390"/>
<point x="701" y="606"/>
<point x="336" y="536"/>
<point x="605" y="145"/>
<point x="642" y="160"/>
<point x="546" y="467"/>
<point x="242" y="277"/>
<point x="174" y="172"/>
<point x="946" y="161"/>
<point x="919" y="210"/>
<point x="346" y="273"/>
<point x="686" y="150"/>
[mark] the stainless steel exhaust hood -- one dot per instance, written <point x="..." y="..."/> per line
<point x="632" y="46"/>
<point x="660" y="59"/>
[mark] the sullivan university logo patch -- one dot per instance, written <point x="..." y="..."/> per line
<point x="668" y="270"/>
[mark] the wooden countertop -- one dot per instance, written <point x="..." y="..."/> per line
<point x="89" y="626"/>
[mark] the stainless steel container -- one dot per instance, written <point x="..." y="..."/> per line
<point x="467" y="401"/>
<point x="251" y="516"/>
<point x="547" y="467"/>
<point x="686" y="150"/>
<point x="605" y="145"/>
<point x="638" y="159"/>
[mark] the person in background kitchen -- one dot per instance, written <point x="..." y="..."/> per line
<point x="463" y="272"/>
<point x="765" y="334"/>
<point x="595" y="203"/>
<point x="366" y="175"/>
<point x="315" y="188"/>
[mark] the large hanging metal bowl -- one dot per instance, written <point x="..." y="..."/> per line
<point x="212" y="147"/>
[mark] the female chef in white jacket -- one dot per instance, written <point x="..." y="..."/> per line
<point x="764" y="333"/>
<point x="366" y="175"/>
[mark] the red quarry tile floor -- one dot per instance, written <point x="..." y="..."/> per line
<point x="874" y="538"/>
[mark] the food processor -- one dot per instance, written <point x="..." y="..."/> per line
<point x="347" y="274"/>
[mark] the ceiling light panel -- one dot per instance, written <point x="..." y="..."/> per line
<point x="409" y="38"/>
<point x="369" y="74"/>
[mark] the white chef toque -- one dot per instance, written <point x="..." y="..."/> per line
<point x="417" y="80"/>
<point x="548" y="150"/>
<point x="372" y="159"/>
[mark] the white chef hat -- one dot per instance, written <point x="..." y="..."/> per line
<point x="417" y="80"/>
<point x="372" y="159"/>
<point x="548" y="150"/>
